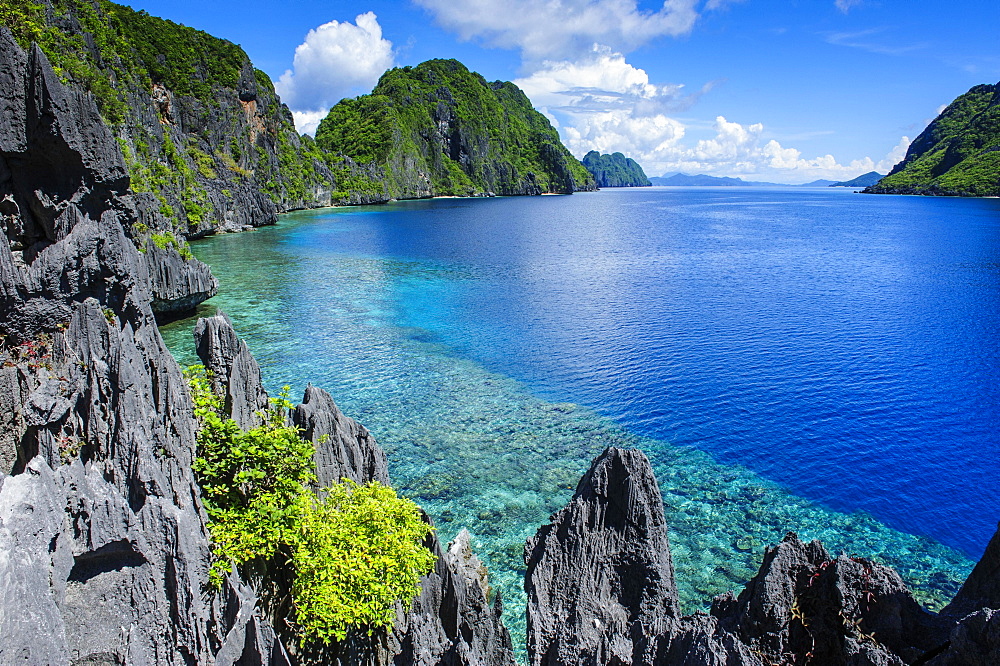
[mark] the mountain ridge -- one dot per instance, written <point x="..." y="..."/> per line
<point x="957" y="154"/>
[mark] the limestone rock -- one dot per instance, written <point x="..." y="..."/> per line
<point x="982" y="587"/>
<point x="178" y="284"/>
<point x="105" y="551"/>
<point x="234" y="372"/>
<point x="344" y="447"/>
<point x="803" y="606"/>
<point x="600" y="580"/>
<point x="974" y="641"/>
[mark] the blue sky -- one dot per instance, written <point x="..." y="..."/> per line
<point x="787" y="91"/>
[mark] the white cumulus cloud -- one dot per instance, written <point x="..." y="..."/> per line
<point x="338" y="59"/>
<point x="562" y="28"/>
<point x="894" y="157"/>
<point x="742" y="150"/>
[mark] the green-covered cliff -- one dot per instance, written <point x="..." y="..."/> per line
<point x="615" y="170"/>
<point x="204" y="135"/>
<point x="957" y="155"/>
<point x="439" y="129"/>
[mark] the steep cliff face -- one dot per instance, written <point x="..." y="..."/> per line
<point x="202" y="131"/>
<point x="802" y="607"/>
<point x="209" y="143"/>
<point x="105" y="549"/>
<point x="104" y="542"/>
<point x="958" y="154"/>
<point x="439" y="129"/>
<point x="615" y="170"/>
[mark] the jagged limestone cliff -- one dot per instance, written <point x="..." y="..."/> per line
<point x="202" y="131"/>
<point x="105" y="550"/>
<point x="439" y="129"/>
<point x="210" y="146"/>
<point x="958" y="154"/>
<point x="615" y="170"/>
<point x="601" y="590"/>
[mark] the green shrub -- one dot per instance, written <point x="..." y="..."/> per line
<point x="358" y="551"/>
<point x="353" y="553"/>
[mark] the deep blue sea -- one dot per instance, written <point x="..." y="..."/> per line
<point x="790" y="359"/>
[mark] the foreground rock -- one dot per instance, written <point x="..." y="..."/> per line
<point x="451" y="621"/>
<point x="601" y="591"/>
<point x="105" y="552"/>
<point x="600" y="581"/>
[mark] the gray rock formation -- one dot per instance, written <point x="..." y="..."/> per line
<point x="802" y="607"/>
<point x="982" y="588"/>
<point x="105" y="552"/>
<point x="233" y="371"/>
<point x="974" y="641"/>
<point x="178" y="285"/>
<point x="344" y="448"/>
<point x="600" y="581"/>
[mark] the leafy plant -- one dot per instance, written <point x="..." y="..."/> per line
<point x="353" y="553"/>
<point x="359" y="549"/>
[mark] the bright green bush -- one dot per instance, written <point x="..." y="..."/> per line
<point x="353" y="553"/>
<point x="358" y="551"/>
<point x="251" y="481"/>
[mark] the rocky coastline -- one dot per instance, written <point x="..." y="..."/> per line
<point x="106" y="554"/>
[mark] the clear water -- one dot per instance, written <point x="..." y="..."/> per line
<point x="807" y="360"/>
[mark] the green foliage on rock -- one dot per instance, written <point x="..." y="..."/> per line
<point x="192" y="115"/>
<point x="439" y="129"/>
<point x="167" y="239"/>
<point x="957" y="154"/>
<point x="357" y="551"/>
<point x="615" y="170"/>
<point x="350" y="553"/>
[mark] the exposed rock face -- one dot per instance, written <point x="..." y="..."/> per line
<point x="982" y="588"/>
<point x="600" y="581"/>
<point x="105" y="552"/>
<point x="178" y="285"/>
<point x="233" y="370"/>
<point x="802" y="607"/>
<point x="344" y="448"/>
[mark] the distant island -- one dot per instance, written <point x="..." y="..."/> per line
<point x="702" y="180"/>
<point x="864" y="180"/>
<point x="957" y="155"/>
<point x="615" y="170"/>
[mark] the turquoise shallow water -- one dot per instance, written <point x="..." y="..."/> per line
<point x="404" y="313"/>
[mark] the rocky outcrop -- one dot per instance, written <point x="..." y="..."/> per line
<point x="344" y="448"/>
<point x="178" y="284"/>
<point x="982" y="588"/>
<point x="451" y="621"/>
<point x="803" y="606"/>
<point x="232" y="370"/>
<point x="105" y="549"/>
<point x="600" y="580"/>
